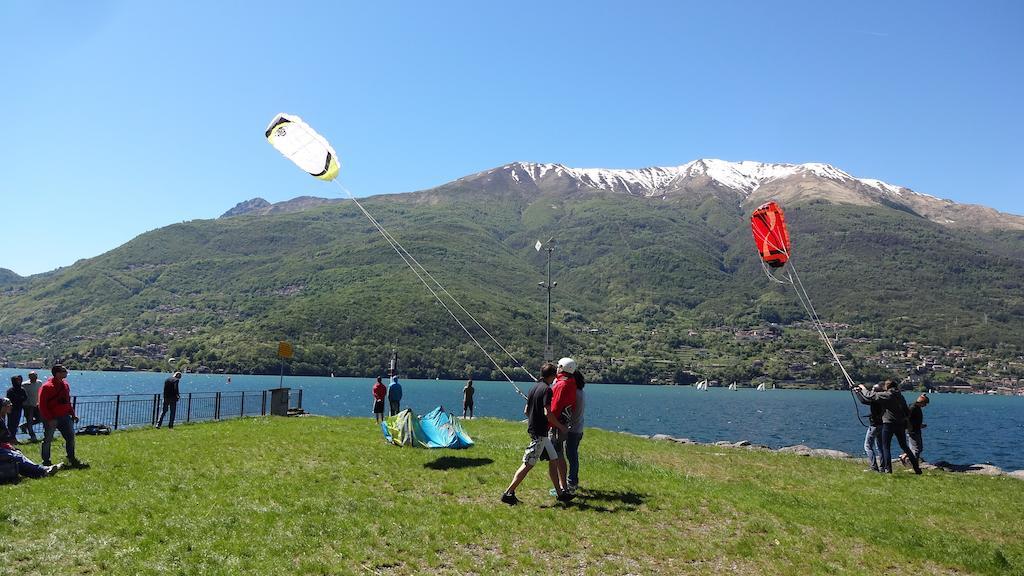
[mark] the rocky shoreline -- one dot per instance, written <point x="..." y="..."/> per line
<point x="801" y="450"/>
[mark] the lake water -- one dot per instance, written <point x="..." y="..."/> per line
<point x="964" y="429"/>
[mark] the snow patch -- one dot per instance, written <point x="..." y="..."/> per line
<point x="744" y="177"/>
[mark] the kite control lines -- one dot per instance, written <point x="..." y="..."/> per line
<point x="768" y="224"/>
<point x="311" y="152"/>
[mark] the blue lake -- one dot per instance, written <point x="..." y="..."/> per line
<point x="964" y="429"/>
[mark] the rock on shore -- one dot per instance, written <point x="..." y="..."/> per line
<point x="800" y="449"/>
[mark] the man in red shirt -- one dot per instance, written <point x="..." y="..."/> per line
<point x="58" y="413"/>
<point x="563" y="402"/>
<point x="380" y="391"/>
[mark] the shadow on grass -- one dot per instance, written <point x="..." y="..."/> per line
<point x="455" y="462"/>
<point x="604" y="501"/>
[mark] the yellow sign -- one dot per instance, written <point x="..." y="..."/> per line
<point x="285" y="350"/>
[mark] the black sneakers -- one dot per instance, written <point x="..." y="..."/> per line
<point x="565" y="497"/>
<point x="77" y="464"/>
<point x="510" y="498"/>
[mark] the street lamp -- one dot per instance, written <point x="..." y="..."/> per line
<point x="549" y="246"/>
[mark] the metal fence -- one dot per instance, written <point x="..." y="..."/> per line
<point x="127" y="410"/>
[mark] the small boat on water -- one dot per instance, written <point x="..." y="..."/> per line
<point x="702" y="385"/>
<point x="761" y="387"/>
<point x="732" y="386"/>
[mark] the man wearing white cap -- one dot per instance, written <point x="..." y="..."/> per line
<point x="563" y="402"/>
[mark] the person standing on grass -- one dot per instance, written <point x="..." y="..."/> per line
<point x="10" y="454"/>
<point x="539" y="419"/>
<point x="915" y="426"/>
<point x="171" y="395"/>
<point x="563" y="404"/>
<point x="467" y="398"/>
<point x="16" y="394"/>
<point x="894" y="422"/>
<point x="58" y="414"/>
<point x="395" y="395"/>
<point x="873" y="436"/>
<point x="572" y="443"/>
<point x="31" y="405"/>
<point x="380" y="391"/>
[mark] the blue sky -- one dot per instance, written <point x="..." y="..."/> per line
<point x="122" y="117"/>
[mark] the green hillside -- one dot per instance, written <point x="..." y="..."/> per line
<point x="641" y="282"/>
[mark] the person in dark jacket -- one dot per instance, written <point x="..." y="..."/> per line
<point x="914" y="428"/>
<point x="171" y="396"/>
<point x="467" y="398"/>
<point x="395" y="395"/>
<point x="873" y="437"/>
<point x="894" y="422"/>
<point x="16" y="394"/>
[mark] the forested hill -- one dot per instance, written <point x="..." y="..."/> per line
<point x="8" y="277"/>
<point x="652" y="280"/>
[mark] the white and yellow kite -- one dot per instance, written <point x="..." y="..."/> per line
<point x="303" y="146"/>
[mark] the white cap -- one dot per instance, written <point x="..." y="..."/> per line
<point x="567" y="365"/>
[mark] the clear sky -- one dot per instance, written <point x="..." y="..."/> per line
<point x="125" y="116"/>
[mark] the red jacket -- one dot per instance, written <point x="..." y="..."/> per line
<point x="563" y="396"/>
<point x="379" y="391"/>
<point x="55" y="400"/>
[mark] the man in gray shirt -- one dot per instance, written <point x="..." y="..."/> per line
<point x="575" y="436"/>
<point x="32" y="405"/>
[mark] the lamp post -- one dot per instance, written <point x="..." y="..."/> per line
<point x="549" y="246"/>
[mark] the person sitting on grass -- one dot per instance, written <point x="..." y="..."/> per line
<point x="9" y="453"/>
<point x="540" y="419"/>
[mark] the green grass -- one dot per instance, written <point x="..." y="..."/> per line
<point x="327" y="496"/>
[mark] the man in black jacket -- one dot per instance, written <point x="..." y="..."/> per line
<point x="873" y="437"/>
<point x="894" y="422"/>
<point x="171" y="396"/>
<point x="16" y="394"/>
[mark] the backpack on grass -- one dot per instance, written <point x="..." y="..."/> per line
<point x="94" y="430"/>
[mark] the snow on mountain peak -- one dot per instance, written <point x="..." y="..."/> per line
<point x="744" y="177"/>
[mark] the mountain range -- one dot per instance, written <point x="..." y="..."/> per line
<point x="655" y="269"/>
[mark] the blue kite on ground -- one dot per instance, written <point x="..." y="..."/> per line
<point x="436" y="429"/>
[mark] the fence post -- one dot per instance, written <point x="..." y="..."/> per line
<point x="241" y="412"/>
<point x="300" y="398"/>
<point x="216" y="407"/>
<point x="263" y="408"/>
<point x="188" y="414"/>
<point x="117" y="411"/>
<point x="156" y="407"/>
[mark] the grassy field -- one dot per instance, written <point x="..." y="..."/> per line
<point x="327" y="496"/>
